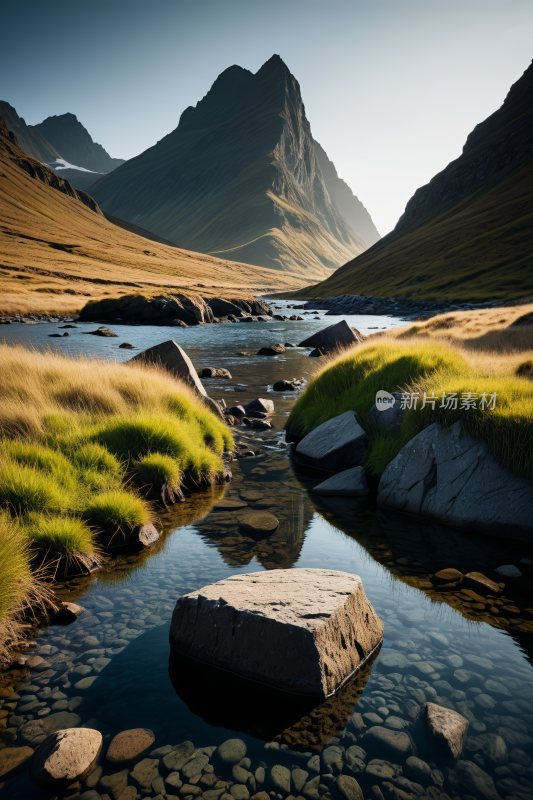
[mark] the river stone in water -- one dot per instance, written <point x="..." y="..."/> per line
<point x="280" y="778"/>
<point x="65" y="757"/>
<point x="338" y="335"/>
<point x="303" y="630"/>
<point x="346" y="788"/>
<point x="231" y="751"/>
<point x="445" y="729"/>
<point x="476" y="781"/>
<point x="259" y="522"/>
<point x="129" y="745"/>
<point x="13" y="757"/>
<point x="349" y="483"/>
<point x="336" y="445"/>
<point x="396" y="744"/>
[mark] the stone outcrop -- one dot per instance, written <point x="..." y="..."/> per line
<point x="65" y="757"/>
<point x="336" y="445"/>
<point x="174" y="359"/>
<point x="172" y="308"/>
<point x="350" y="483"/>
<point x="445" y="729"/>
<point x="303" y="630"/>
<point x="448" y="476"/>
<point x="334" y="337"/>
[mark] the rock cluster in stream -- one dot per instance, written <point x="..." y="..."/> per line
<point x="388" y="306"/>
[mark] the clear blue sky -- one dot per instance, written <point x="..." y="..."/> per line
<point x="391" y="87"/>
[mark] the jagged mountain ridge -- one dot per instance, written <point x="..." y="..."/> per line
<point x="31" y="141"/>
<point x="58" y="250"/>
<point x="238" y="178"/>
<point x="467" y="234"/>
<point x="68" y="136"/>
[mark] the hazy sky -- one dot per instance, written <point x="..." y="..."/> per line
<point x="391" y="87"/>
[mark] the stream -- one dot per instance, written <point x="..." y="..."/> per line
<point x="111" y="669"/>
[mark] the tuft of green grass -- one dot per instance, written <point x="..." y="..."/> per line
<point x="15" y="573"/>
<point x="24" y="489"/>
<point x="134" y="438"/>
<point x="117" y="510"/>
<point x="62" y="533"/>
<point x="351" y="382"/>
<point x="156" y="469"/>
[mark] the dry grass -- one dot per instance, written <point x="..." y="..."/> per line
<point x="55" y="254"/>
<point x="488" y="330"/>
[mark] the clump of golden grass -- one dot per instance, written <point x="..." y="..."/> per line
<point x="76" y="433"/>
<point x="488" y="329"/>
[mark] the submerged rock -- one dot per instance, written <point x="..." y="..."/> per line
<point x="303" y="630"/>
<point x="101" y="331"/>
<point x="65" y="757"/>
<point x="128" y="745"/>
<point x="350" y="483"/>
<point x="271" y="350"/>
<point x="336" y="445"/>
<point x="445" y="729"/>
<point x="447" y="475"/>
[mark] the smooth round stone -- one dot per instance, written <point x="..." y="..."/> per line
<point x="417" y="770"/>
<point x="449" y="575"/>
<point x="129" y="745"/>
<point x="496" y="688"/>
<point x="479" y="661"/>
<point x="251" y="495"/>
<point x="239" y="792"/>
<point x="509" y="571"/>
<point x="260" y="522"/>
<point x="347" y="788"/>
<point x="392" y="660"/>
<point x="229" y="505"/>
<point x="280" y="778"/>
<point x="231" y="751"/>
<point x="396" y="723"/>
<point x="485" y="701"/>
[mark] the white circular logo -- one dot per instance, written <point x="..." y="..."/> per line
<point x="384" y="400"/>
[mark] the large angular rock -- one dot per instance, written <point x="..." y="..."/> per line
<point x="65" y="757"/>
<point x="302" y="630"/>
<point x="350" y="483"/>
<point x="336" y="445"/>
<point x="337" y="336"/>
<point x="448" y="476"/>
<point x="174" y="359"/>
<point x="445" y="729"/>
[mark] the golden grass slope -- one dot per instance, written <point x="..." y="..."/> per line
<point x="481" y="249"/>
<point x="55" y="253"/>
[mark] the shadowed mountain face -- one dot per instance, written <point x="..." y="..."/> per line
<point x="239" y="178"/>
<point x="68" y="137"/>
<point x="31" y="140"/>
<point x="467" y="234"/>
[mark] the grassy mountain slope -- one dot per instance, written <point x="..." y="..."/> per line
<point x="57" y="249"/>
<point x="238" y="178"/>
<point x="468" y="234"/>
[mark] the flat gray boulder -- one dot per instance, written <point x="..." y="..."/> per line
<point x="350" y="483"/>
<point x="447" y="475"/>
<point x="337" y="336"/>
<point x="301" y="630"/>
<point x="336" y="445"/>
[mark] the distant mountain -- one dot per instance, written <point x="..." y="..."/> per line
<point x="31" y="140"/>
<point x="68" y="137"/>
<point x="239" y="178"/>
<point x="467" y="234"/>
<point x="64" y="145"/>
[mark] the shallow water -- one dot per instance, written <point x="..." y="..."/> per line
<point x="431" y="652"/>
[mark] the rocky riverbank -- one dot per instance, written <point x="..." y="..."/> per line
<point x="388" y="306"/>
